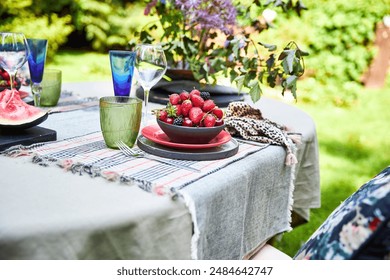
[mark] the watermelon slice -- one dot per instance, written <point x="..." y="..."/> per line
<point x="15" y="113"/>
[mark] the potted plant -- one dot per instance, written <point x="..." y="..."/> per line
<point x="215" y="38"/>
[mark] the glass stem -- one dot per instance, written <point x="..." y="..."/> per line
<point x="36" y="89"/>
<point x="11" y="80"/>
<point x="146" y="107"/>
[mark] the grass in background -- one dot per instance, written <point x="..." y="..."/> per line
<point x="354" y="141"/>
<point x="79" y="66"/>
<point x="354" y="146"/>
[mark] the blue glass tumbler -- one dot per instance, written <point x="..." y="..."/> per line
<point x="122" y="70"/>
<point x="36" y="63"/>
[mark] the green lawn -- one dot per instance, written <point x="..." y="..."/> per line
<point x="354" y="141"/>
<point x="80" y="66"/>
<point x="354" y="146"/>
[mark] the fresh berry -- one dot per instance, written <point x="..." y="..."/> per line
<point x="162" y="115"/>
<point x="186" y="107"/>
<point x="178" y="121"/>
<point x="195" y="91"/>
<point x="174" y="99"/>
<point x="196" y="115"/>
<point x="184" y="96"/>
<point x="5" y="75"/>
<point x="219" y="122"/>
<point x="187" y="122"/>
<point x="197" y="101"/>
<point x="178" y="109"/>
<point x="218" y="112"/>
<point x="169" y="120"/>
<point x="209" y="120"/>
<point x="205" y="95"/>
<point x="208" y="105"/>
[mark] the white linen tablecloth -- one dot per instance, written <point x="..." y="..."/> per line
<point x="46" y="213"/>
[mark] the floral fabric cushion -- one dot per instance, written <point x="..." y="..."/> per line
<point x="358" y="229"/>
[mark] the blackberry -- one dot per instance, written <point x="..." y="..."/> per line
<point x="205" y="95"/>
<point x="178" y="121"/>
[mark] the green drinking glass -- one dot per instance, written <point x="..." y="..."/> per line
<point x="120" y="119"/>
<point x="51" y="88"/>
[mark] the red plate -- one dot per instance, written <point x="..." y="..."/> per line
<point x="155" y="134"/>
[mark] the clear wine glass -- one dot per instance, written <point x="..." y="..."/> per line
<point x="13" y="53"/>
<point x="151" y="65"/>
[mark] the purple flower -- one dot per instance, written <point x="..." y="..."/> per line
<point x="209" y="14"/>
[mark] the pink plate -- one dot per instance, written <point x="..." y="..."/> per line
<point x="155" y="134"/>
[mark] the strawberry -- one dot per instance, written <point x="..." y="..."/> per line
<point x="196" y="115"/>
<point x="162" y="115"/>
<point x="5" y="75"/>
<point x="218" y="112"/>
<point x="186" y="107"/>
<point x="208" y="105"/>
<point x="195" y="91"/>
<point x="209" y="120"/>
<point x="178" y="109"/>
<point x="169" y="120"/>
<point x="187" y="122"/>
<point x="184" y="96"/>
<point x="197" y="101"/>
<point x="219" y="122"/>
<point x="174" y="99"/>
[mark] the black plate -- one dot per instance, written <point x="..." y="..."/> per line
<point x="224" y="151"/>
<point x="14" y="127"/>
<point x="27" y="137"/>
<point x="222" y="95"/>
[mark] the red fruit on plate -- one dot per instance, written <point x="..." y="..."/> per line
<point x="169" y="120"/>
<point x="218" y="112"/>
<point x="209" y="120"/>
<point x="178" y="109"/>
<point x="187" y="122"/>
<point x="174" y="98"/>
<point x="196" y="115"/>
<point x="208" y="105"/>
<point x="195" y="91"/>
<point x="197" y="101"/>
<point x="162" y="115"/>
<point x="5" y="75"/>
<point x="219" y="122"/>
<point x="184" y="96"/>
<point x="186" y="107"/>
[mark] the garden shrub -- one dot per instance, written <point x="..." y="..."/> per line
<point x="339" y="36"/>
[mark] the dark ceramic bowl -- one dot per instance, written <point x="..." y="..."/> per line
<point x="190" y="135"/>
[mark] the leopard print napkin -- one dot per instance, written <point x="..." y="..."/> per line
<point x="243" y="120"/>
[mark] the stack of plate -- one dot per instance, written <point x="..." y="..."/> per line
<point x="154" y="141"/>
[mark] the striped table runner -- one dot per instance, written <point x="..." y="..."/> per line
<point x="88" y="154"/>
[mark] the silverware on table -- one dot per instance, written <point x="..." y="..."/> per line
<point x="132" y="153"/>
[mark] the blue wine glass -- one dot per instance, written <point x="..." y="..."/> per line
<point x="36" y="64"/>
<point x="122" y="69"/>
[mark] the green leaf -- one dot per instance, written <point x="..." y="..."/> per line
<point x="291" y="80"/>
<point x="270" y="62"/>
<point x="255" y="92"/>
<point x="290" y="60"/>
<point x="240" y="82"/>
<point x="268" y="46"/>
